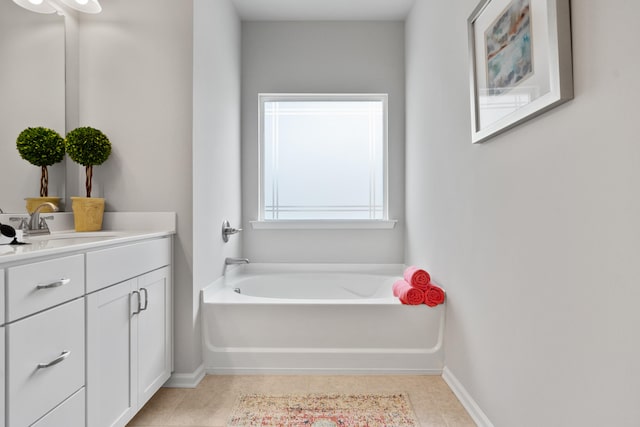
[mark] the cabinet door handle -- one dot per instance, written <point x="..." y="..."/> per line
<point x="55" y="284"/>
<point x="55" y="361"/>
<point x="138" y="310"/>
<point x="146" y="298"/>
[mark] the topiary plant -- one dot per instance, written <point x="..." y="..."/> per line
<point x="41" y="147"/>
<point x="88" y="147"/>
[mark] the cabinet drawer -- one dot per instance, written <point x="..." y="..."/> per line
<point x="114" y="265"/>
<point x="69" y="413"/>
<point x="40" y="285"/>
<point x="33" y="388"/>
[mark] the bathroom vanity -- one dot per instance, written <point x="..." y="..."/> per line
<point x="86" y="325"/>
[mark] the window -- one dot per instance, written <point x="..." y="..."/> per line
<point x="323" y="157"/>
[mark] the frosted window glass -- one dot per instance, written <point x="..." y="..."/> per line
<point x="323" y="159"/>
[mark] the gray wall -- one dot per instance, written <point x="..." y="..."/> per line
<point x="534" y="234"/>
<point x="216" y="142"/>
<point x="135" y="67"/>
<point x="323" y="57"/>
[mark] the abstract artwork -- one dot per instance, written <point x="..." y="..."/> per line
<point x="508" y="43"/>
<point x="520" y="62"/>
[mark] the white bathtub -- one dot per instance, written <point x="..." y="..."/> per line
<point x="317" y="318"/>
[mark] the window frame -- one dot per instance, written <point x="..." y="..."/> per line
<point x="385" y="222"/>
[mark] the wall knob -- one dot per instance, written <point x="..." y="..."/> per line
<point x="228" y="230"/>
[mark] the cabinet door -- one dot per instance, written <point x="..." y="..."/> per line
<point x="112" y="355"/>
<point x="154" y="333"/>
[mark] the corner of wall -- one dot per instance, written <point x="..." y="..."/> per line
<point x="472" y="407"/>
<point x="188" y="380"/>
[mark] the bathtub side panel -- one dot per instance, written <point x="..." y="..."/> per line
<point x="324" y="338"/>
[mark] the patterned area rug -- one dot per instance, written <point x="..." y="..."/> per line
<point x="324" y="410"/>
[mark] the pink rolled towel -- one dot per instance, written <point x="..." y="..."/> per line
<point x="417" y="277"/>
<point x="434" y="295"/>
<point x="407" y="294"/>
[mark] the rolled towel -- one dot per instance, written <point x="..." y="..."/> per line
<point x="407" y="294"/>
<point x="417" y="277"/>
<point x="396" y="284"/>
<point x="434" y="295"/>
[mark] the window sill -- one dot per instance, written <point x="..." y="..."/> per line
<point x="324" y="224"/>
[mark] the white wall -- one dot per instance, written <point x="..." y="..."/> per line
<point x="32" y="94"/>
<point x="135" y="66"/>
<point x="323" y="57"/>
<point x="534" y="234"/>
<point x="216" y="141"/>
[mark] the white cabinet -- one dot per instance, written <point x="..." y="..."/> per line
<point x="128" y="343"/>
<point x="86" y="337"/>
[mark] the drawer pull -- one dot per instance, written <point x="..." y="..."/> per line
<point x="55" y="361"/>
<point x="55" y="284"/>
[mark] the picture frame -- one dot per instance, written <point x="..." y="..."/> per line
<point x="519" y="61"/>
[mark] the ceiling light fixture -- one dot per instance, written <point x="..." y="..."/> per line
<point x="86" y="6"/>
<point x="36" y="6"/>
<point x="53" y="6"/>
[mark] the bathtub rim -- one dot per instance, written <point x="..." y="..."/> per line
<point x="234" y="272"/>
<point x="283" y="267"/>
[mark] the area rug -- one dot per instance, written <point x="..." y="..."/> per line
<point x="324" y="410"/>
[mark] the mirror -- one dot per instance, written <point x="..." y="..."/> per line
<point x="32" y="93"/>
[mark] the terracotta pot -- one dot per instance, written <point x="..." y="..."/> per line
<point x="87" y="213"/>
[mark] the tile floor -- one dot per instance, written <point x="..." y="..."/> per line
<point x="210" y="404"/>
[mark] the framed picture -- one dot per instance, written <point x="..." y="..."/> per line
<point x="520" y="62"/>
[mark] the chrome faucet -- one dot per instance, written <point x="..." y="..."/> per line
<point x="35" y="224"/>
<point x="231" y="261"/>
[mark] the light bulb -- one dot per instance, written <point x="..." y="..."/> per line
<point x="36" y="2"/>
<point x="82" y="2"/>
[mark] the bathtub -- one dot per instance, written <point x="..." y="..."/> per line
<point x="317" y="318"/>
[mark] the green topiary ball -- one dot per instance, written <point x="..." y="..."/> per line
<point x="40" y="146"/>
<point x="88" y="146"/>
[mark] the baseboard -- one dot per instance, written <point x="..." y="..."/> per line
<point x="318" y="371"/>
<point x="472" y="407"/>
<point x="186" y="380"/>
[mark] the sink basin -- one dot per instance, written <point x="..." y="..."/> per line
<point x="89" y="235"/>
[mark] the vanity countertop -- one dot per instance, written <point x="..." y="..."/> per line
<point x="118" y="228"/>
